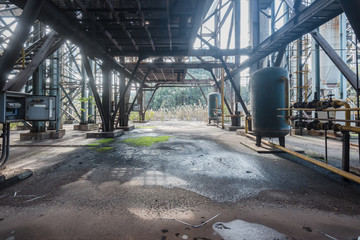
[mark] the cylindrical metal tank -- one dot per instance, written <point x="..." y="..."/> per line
<point x="267" y="88"/>
<point x="214" y="102"/>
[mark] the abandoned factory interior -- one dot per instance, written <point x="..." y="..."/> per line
<point x="179" y="119"/>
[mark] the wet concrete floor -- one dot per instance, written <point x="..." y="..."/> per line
<point x="155" y="192"/>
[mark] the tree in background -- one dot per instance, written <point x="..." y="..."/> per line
<point x="170" y="97"/>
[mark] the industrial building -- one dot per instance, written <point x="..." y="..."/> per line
<point x="270" y="149"/>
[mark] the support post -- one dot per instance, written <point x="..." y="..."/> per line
<point x="138" y="95"/>
<point x="108" y="124"/>
<point x="317" y="71"/>
<point x="254" y="29"/>
<point x="346" y="152"/>
<point x="83" y="119"/>
<point x="123" y="119"/>
<point x="152" y="95"/>
<point x="92" y="83"/>
<point x="219" y="87"/>
<point x="123" y="93"/>
<point x="38" y="83"/>
<point x="91" y="107"/>
<point x="55" y="88"/>
<point x="237" y="79"/>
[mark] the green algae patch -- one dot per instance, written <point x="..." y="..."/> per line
<point x="146" y="127"/>
<point x="145" y="141"/>
<point x="102" y="149"/>
<point x="101" y="142"/>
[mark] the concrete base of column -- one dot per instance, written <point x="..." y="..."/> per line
<point x="113" y="134"/>
<point x="86" y="127"/>
<point x="51" y="134"/>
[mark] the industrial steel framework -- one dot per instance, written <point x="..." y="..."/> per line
<point x="92" y="53"/>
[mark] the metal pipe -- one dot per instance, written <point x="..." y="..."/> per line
<point x="222" y="99"/>
<point x="347" y="112"/>
<point x="321" y="110"/>
<point x="287" y="103"/>
<point x="246" y="126"/>
<point x="338" y="127"/>
<point x="6" y="145"/>
<point x="329" y="119"/>
<point x="340" y="172"/>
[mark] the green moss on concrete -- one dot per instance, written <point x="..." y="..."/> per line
<point x="146" y="141"/>
<point x="101" y="142"/>
<point x="102" y="149"/>
<point x="101" y="145"/>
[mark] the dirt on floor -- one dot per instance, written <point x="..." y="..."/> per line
<point x="193" y="184"/>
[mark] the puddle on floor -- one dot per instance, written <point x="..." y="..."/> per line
<point x="239" y="229"/>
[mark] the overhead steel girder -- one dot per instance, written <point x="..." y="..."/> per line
<point x="11" y="53"/>
<point x="200" y="11"/>
<point x="351" y="9"/>
<point x="51" y="15"/>
<point x="308" y="19"/>
<point x="52" y="43"/>
<point x="192" y="52"/>
<point x="200" y="81"/>
<point x="336" y="59"/>
<point x="177" y="65"/>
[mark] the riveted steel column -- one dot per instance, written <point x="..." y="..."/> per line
<point x="237" y="79"/>
<point x="108" y="125"/>
<point x="55" y="88"/>
<point x="38" y="82"/>
<point x="91" y="107"/>
<point x="254" y="29"/>
<point x="84" y="99"/>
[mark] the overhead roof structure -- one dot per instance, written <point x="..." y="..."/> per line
<point x="127" y="27"/>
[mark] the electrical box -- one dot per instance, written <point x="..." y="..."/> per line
<point x="12" y="107"/>
<point x="40" y="108"/>
<point x="19" y="107"/>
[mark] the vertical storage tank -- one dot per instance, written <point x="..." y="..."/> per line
<point x="267" y="88"/>
<point x="214" y="102"/>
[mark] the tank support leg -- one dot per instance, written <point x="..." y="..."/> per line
<point x="282" y="141"/>
<point x="258" y="141"/>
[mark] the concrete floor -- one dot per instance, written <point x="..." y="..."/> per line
<point x="135" y="192"/>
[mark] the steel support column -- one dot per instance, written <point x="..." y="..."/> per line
<point x="137" y="93"/>
<point x="84" y="99"/>
<point x="39" y="83"/>
<point x="123" y="118"/>
<point x="237" y="93"/>
<point x="343" y="88"/>
<point x="152" y="95"/>
<point x="237" y="7"/>
<point x="108" y="124"/>
<point x="219" y="87"/>
<point x="346" y="151"/>
<point x="91" y="107"/>
<point x="123" y="93"/>
<point x="92" y="84"/>
<point x="254" y="31"/>
<point x="55" y="88"/>
<point x="317" y="94"/>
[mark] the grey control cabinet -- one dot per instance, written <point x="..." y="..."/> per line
<point x="40" y="108"/>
